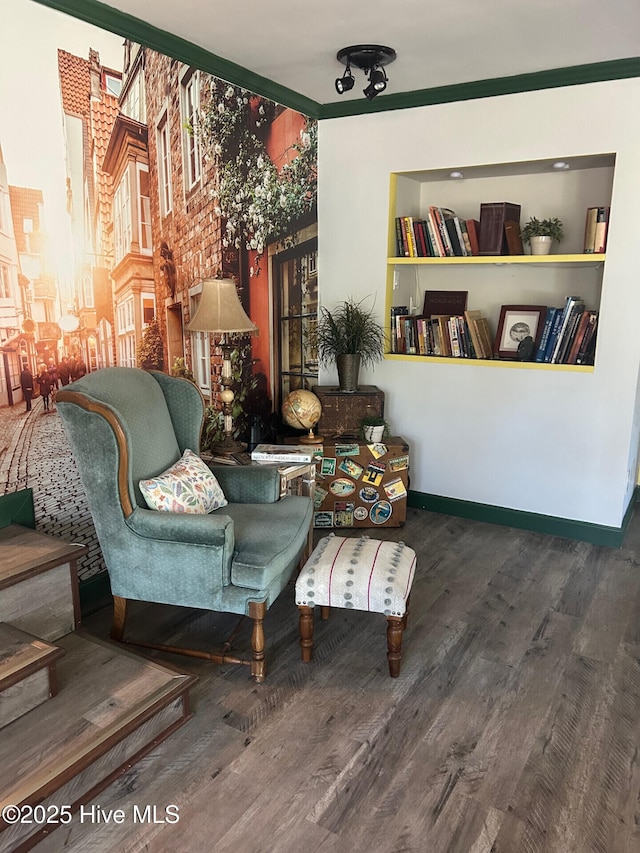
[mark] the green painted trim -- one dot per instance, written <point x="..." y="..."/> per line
<point x="17" y="508"/>
<point x="597" y="534"/>
<point x="123" y="24"/>
<point x="95" y="593"/>
<point x="576" y="75"/>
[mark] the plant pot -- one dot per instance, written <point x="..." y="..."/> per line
<point x="348" y="369"/>
<point x="540" y="245"/>
<point x="374" y="434"/>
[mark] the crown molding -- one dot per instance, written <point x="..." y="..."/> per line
<point x="576" y="75"/>
<point x="123" y="24"/>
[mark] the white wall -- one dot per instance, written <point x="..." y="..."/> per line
<point x="562" y="444"/>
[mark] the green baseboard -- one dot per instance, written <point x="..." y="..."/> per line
<point x="95" y="593"/>
<point x="17" y="508"/>
<point x="597" y="534"/>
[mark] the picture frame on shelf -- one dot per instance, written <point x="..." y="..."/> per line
<point x="515" y="324"/>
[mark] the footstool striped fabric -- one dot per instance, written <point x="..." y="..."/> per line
<point x="359" y="574"/>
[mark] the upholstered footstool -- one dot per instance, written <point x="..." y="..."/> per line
<point x="359" y="574"/>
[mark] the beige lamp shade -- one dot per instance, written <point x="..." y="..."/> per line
<point x="219" y="309"/>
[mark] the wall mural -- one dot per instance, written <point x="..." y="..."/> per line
<point x="126" y="178"/>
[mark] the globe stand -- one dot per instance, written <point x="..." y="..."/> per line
<point x="311" y="438"/>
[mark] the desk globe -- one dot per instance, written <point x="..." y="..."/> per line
<point x="301" y="409"/>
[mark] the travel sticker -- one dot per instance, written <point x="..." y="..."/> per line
<point x="350" y="467"/>
<point x="377" y="450"/>
<point x="347" y="449"/>
<point x="323" y="519"/>
<point x="374" y="473"/>
<point x="328" y="467"/>
<point x="343" y="514"/>
<point x="319" y="494"/>
<point x="368" y="494"/>
<point x="400" y="463"/>
<point x="342" y="487"/>
<point x="380" y="512"/>
<point x="395" y="489"/>
<point x="360" y="513"/>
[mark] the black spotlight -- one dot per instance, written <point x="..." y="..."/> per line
<point x="377" y="83"/>
<point x="370" y="58"/>
<point x="345" y="83"/>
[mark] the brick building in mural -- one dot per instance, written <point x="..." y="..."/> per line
<point x="188" y="234"/>
<point x="89" y="94"/>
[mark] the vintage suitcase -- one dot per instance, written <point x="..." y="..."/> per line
<point x="342" y="412"/>
<point x="362" y="485"/>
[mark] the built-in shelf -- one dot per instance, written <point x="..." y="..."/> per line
<point x="500" y="260"/>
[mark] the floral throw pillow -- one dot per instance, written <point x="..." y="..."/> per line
<point x="188" y="486"/>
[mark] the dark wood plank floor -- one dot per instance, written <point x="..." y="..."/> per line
<point x="514" y="725"/>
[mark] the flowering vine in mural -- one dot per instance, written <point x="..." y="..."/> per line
<point x="258" y="200"/>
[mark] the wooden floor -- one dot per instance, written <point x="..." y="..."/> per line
<point x="514" y="724"/>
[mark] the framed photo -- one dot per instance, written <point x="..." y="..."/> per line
<point x="516" y="323"/>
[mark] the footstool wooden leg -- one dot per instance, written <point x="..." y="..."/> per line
<point x="324" y="612"/>
<point x="306" y="631"/>
<point x="394" y="644"/>
<point x="406" y="614"/>
<point x="257" y="612"/>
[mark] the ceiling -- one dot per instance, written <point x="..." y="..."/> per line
<point x="288" y="49"/>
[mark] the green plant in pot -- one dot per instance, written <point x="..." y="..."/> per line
<point x="373" y="428"/>
<point x="349" y="336"/>
<point x="540" y="234"/>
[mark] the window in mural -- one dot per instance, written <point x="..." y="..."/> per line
<point x="144" y="209"/>
<point x="190" y="103"/>
<point x="297" y="277"/>
<point x="200" y="348"/>
<point x="164" y="166"/>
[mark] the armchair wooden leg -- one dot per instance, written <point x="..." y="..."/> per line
<point x="394" y="644"/>
<point x="306" y="631"/>
<point x="119" y="617"/>
<point x="257" y="612"/>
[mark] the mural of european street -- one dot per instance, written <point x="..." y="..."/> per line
<point x="126" y="179"/>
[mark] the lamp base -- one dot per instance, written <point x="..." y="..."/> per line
<point x="228" y="446"/>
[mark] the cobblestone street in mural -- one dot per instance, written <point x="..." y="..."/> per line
<point x="34" y="453"/>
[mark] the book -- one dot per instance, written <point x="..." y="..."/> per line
<point x="453" y="236"/>
<point x="449" y="302"/>
<point x="572" y="355"/>
<point x="513" y="237"/>
<point x="602" y="225"/>
<point x="289" y="454"/>
<point x="546" y="331"/>
<point x="553" y="336"/>
<point x="572" y="304"/>
<point x="587" y="351"/>
<point x="473" y="230"/>
<point x="590" y="230"/>
<point x="465" y="236"/>
<point x="396" y="311"/>
<point x="473" y="319"/>
<point x="493" y="215"/>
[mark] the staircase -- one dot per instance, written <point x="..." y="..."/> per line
<point x="75" y="712"/>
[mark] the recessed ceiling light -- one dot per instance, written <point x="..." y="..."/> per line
<point x="560" y="165"/>
<point x="456" y="175"/>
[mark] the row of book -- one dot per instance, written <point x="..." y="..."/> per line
<point x="568" y="334"/>
<point x="441" y="234"/>
<point x="596" y="228"/>
<point x="458" y="336"/>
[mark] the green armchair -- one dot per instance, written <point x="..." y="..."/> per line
<point x="125" y="425"/>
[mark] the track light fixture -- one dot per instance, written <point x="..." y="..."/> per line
<point x="370" y="58"/>
<point x="346" y="82"/>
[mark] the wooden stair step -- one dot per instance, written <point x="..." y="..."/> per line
<point x="27" y="672"/>
<point x="112" y="708"/>
<point x="38" y="582"/>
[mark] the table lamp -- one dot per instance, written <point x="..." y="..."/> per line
<point x="219" y="312"/>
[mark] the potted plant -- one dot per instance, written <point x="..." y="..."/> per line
<point x="540" y="234"/>
<point x="373" y="428"/>
<point x="349" y="336"/>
